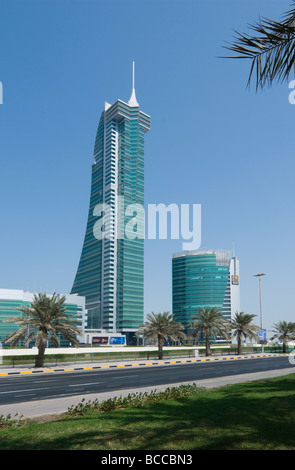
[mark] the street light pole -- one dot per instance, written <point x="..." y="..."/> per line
<point x="260" y="296"/>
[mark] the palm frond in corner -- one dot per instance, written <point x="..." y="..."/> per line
<point x="271" y="50"/>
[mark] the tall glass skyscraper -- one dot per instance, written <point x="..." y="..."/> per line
<point x="111" y="269"/>
<point x="205" y="279"/>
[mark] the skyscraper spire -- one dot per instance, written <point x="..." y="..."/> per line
<point x="133" y="101"/>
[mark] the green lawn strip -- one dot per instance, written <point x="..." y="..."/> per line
<point x="255" y="415"/>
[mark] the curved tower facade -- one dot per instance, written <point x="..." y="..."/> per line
<point x="110" y="273"/>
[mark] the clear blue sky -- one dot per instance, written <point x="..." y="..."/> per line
<point x="212" y="142"/>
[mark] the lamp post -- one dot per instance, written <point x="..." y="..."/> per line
<point x="261" y="322"/>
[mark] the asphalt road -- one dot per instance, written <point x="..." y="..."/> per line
<point x="30" y="388"/>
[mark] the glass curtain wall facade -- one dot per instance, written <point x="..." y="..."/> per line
<point x="8" y="308"/>
<point x="204" y="279"/>
<point x="110" y="272"/>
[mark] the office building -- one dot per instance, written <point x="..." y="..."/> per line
<point x="110" y="272"/>
<point x="12" y="299"/>
<point x="205" y="279"/>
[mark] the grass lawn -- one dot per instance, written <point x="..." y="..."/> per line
<point x="257" y="415"/>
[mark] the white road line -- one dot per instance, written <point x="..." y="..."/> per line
<point x="83" y="384"/>
<point x="124" y="377"/>
<point x="26" y="395"/>
<point x="27" y="390"/>
<point x="45" y="381"/>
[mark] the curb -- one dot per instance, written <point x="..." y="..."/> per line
<point x="71" y="369"/>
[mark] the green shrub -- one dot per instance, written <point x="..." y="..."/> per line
<point x="11" y="422"/>
<point x="133" y="400"/>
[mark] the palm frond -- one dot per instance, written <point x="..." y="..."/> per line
<point x="209" y="322"/>
<point x="242" y="326"/>
<point x="271" y="49"/>
<point x="284" y="330"/>
<point x="46" y="317"/>
<point x="161" y="324"/>
<point x="16" y="336"/>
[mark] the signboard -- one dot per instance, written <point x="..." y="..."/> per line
<point x="117" y="340"/>
<point x="100" y="340"/>
<point x="235" y="279"/>
<point x="262" y="336"/>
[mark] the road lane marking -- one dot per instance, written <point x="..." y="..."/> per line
<point x="83" y="384"/>
<point x="124" y="377"/>
<point x="46" y="381"/>
<point x="26" y="390"/>
<point x="27" y="395"/>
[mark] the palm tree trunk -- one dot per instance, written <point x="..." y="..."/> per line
<point x="160" y="347"/>
<point x="208" y="350"/>
<point x="39" y="362"/>
<point x="239" y="343"/>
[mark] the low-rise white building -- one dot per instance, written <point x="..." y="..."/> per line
<point x="12" y="299"/>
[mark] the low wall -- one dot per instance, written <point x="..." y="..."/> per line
<point x="102" y="349"/>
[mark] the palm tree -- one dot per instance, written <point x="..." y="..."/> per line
<point x="161" y="326"/>
<point x="210" y="323"/>
<point x="43" y="321"/>
<point x="241" y="327"/>
<point x="285" y="332"/>
<point x="272" y="51"/>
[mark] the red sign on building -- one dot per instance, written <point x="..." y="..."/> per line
<point x="100" y="340"/>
